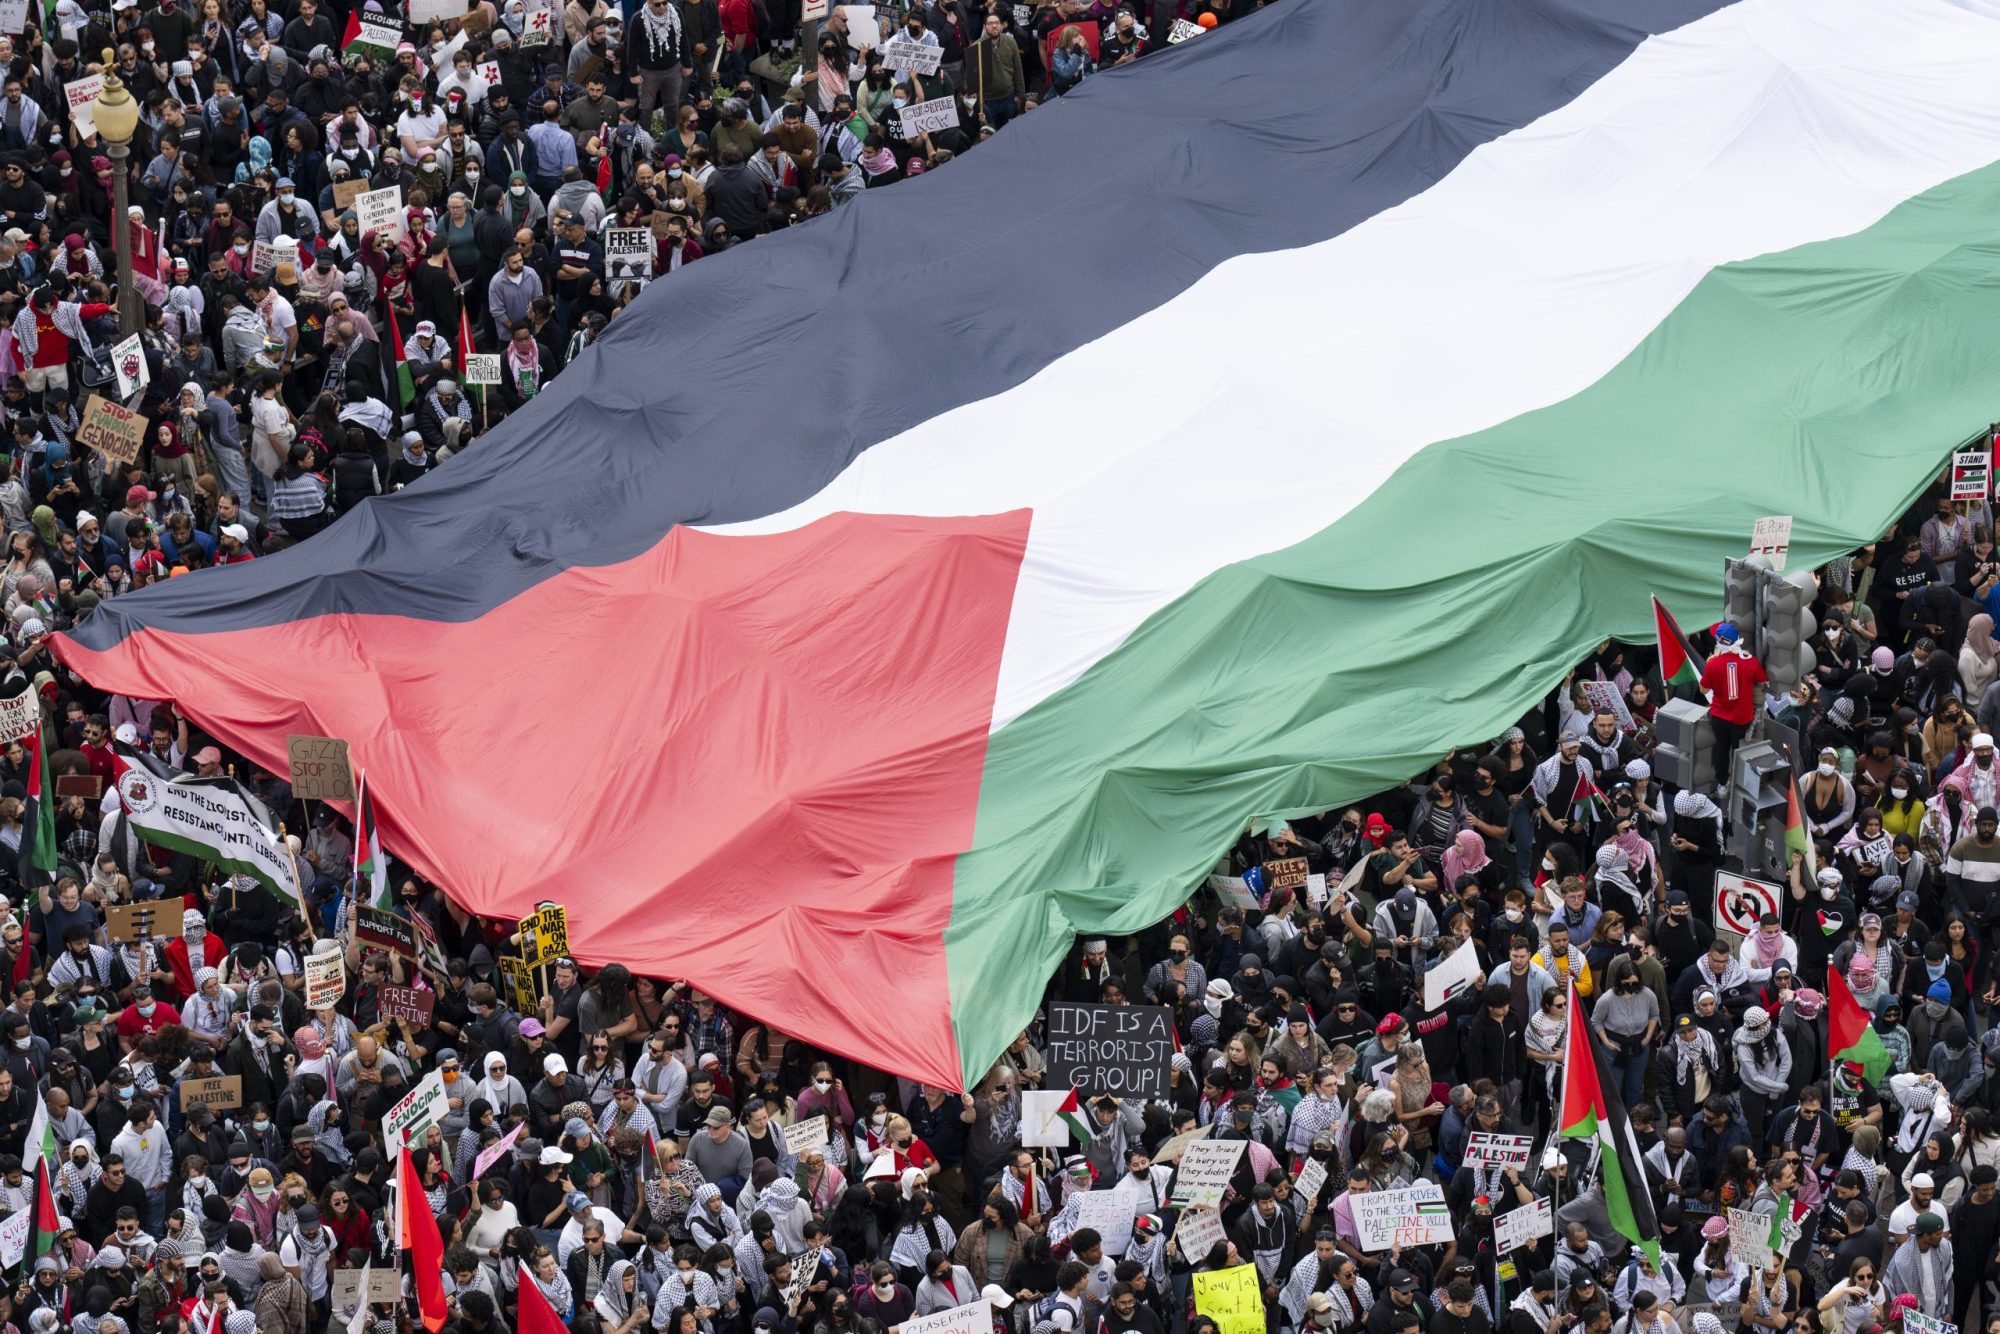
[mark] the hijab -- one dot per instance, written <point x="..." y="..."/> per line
<point x="1465" y="856"/>
<point x="1979" y="637"/>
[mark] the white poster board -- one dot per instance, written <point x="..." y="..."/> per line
<point x="1181" y="31"/>
<point x="1772" y="537"/>
<point x="1417" y="1216"/>
<point x="20" y="715"/>
<point x="1513" y="1229"/>
<point x="1111" y="1214"/>
<point x="1452" y="975"/>
<point x="863" y="33"/>
<point x="1205" y="1169"/>
<point x="1310" y="1181"/>
<point x="919" y="58"/>
<point x="1197" y="1232"/>
<point x="1041" y="1128"/>
<point x="482" y="368"/>
<point x="429" y="11"/>
<point x="801" y="1137"/>
<point x="1750" y="1237"/>
<point x="976" y="1318"/>
<point x="381" y="210"/>
<point x="936" y="114"/>
<point x="1487" y="1149"/>
<point x="81" y="94"/>
<point x="628" y="254"/>
<point x="14" y="17"/>
<point x="1606" y="695"/>
<point x="1740" y="901"/>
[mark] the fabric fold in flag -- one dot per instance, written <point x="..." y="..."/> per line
<point x="1592" y="1110"/>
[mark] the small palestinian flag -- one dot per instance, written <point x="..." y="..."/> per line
<point x="1589" y="796"/>
<point x="1591" y="1110"/>
<point x="1680" y="665"/>
<point x="37" y="864"/>
<point x="406" y="385"/>
<point x="1071" y="1115"/>
<point x="371" y="868"/>
<point x="1797" y="837"/>
<point x="48" y="1222"/>
<point x="1787" y="1221"/>
<point x="1850" y="1038"/>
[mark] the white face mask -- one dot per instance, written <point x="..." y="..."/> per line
<point x="1899" y="792"/>
<point x="1513" y="914"/>
<point x="517" y="190"/>
<point x="823" y="1085"/>
<point x="1826" y="770"/>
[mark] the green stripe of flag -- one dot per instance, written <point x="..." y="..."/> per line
<point x="1824" y="382"/>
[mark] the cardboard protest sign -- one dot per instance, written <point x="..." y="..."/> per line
<point x="1180" y="32"/>
<point x="321" y="769"/>
<point x="14" y="17"/>
<point x="381" y="210"/>
<point x="326" y="979"/>
<point x="1197" y="1231"/>
<point x="1205" y="1170"/>
<point x="802" y="1136"/>
<point x="154" y="920"/>
<point x="1513" y="1229"/>
<point x="412" y="1005"/>
<point x="1411" y="1217"/>
<point x="112" y="429"/>
<point x="1171" y="1151"/>
<point x="493" y="1152"/>
<point x="1110" y="1214"/>
<point x="1232" y="1298"/>
<point x="1772" y="537"/>
<point x="1287" y="873"/>
<point x="1124" y="1050"/>
<point x="1486" y="1149"/>
<point x="974" y="1318"/>
<point x="920" y="58"/>
<point x="1041" y="1128"/>
<point x="420" y="1106"/>
<point x="81" y="94"/>
<point x="386" y="929"/>
<point x="1750" y="1237"/>
<point x="88" y="786"/>
<point x="384" y="1285"/>
<point x="936" y="114"/>
<point x="222" y="1092"/>
<point x="20" y="715"/>
<point x="1452" y="975"/>
<point x="544" y="935"/>
<point x="482" y="368"/>
<point x="345" y="192"/>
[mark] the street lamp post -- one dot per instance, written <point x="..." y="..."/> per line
<point x="117" y="115"/>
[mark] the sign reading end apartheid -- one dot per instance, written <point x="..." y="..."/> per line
<point x="1123" y="1050"/>
<point x="321" y="770"/>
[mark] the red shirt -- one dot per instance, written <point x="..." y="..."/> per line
<point x="131" y="1023"/>
<point x="1731" y="680"/>
<point x="51" y="343"/>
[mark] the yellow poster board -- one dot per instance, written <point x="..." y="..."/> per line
<point x="1233" y="1298"/>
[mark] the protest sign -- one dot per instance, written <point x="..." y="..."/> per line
<point x="1232" y="1298"/>
<point x="127" y="922"/>
<point x="920" y="58"/>
<point x="430" y="953"/>
<point x="493" y="1152"/>
<point x="1607" y="695"/>
<point x="813" y="11"/>
<point x="1181" y="31"/>
<point x="1205" y="1171"/>
<point x="384" y="1285"/>
<point x="1413" y="1217"/>
<point x="1452" y="975"/>
<point x="128" y="363"/>
<point x="344" y="192"/>
<point x="1235" y="892"/>
<point x="420" y="1106"/>
<point x="381" y="210"/>
<point x="1124" y="1050"/>
<point x="538" y="23"/>
<point x="1916" y="1322"/>
<point x="263" y="258"/>
<point x="1286" y="873"/>
<point x="81" y="94"/>
<point x="972" y="1318"/>
<point x="377" y="37"/>
<point x="1512" y="1230"/>
<point x="14" y="1236"/>
<point x="412" y="1005"/>
<point x="804" y="1136"/>
<point x="222" y="1092"/>
<point x="1750" y="1236"/>
<point x="1041" y="1128"/>
<point x="380" y="927"/>
<point x="434" y="11"/>
<point x="1197" y="1232"/>
<point x="804" y="1270"/>
<point x="1772" y="537"/>
<point x="1876" y="851"/>
<point x="326" y="979"/>
<point x="1111" y="1214"/>
<point x="88" y="786"/>
<point x="112" y="429"/>
<point x="523" y="979"/>
<point x="13" y="16"/>
<point x="213" y="818"/>
<point x="1023" y="15"/>
<point x="863" y="31"/>
<point x="1484" y="1148"/>
<point x="1740" y="901"/>
<point x="1171" y="1151"/>
<point x="544" y="935"/>
<point x="320" y="768"/>
<point x="482" y="368"/>
<point x="1311" y="1179"/>
<point x="936" y="114"/>
<point x="628" y="254"/>
<point x="488" y="70"/>
<point x="1316" y="890"/>
<point x="1971" y="475"/>
<point x="20" y="715"/>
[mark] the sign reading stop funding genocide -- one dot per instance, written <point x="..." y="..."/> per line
<point x="1413" y="1217"/>
<point x="1123" y="1050"/>
<point x="112" y="429"/>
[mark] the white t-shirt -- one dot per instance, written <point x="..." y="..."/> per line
<point x="423" y="128"/>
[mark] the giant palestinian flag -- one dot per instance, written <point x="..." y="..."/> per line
<point x="866" y="614"/>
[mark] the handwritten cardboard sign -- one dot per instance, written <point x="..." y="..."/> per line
<point x="936" y="114"/>
<point x="20" y="715"/>
<point x="1287" y="873"/>
<point x="802" y="1137"/>
<point x="345" y="192"/>
<point x="1412" y="1217"/>
<point x="112" y="429"/>
<point x="321" y="769"/>
<point x="127" y="922"/>
<point x="223" y="1093"/>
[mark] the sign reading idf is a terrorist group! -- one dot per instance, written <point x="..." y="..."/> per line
<point x="1123" y="1050"/>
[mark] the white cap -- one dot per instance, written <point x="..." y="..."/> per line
<point x="552" y="1154"/>
<point x="1922" y="1181"/>
<point x="554" y="1064"/>
<point x="237" y="531"/>
<point x="998" y="1295"/>
<point x="1980" y="739"/>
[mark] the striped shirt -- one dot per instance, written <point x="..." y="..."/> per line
<point x="299" y="498"/>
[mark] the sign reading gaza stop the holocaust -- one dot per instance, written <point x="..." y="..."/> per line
<point x="1123" y="1050"/>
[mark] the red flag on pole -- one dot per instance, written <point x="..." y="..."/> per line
<point x="535" y="1315"/>
<point x="418" y="1235"/>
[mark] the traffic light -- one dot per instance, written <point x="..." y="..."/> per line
<point x="1685" y="756"/>
<point x="1786" y="626"/>
<point x="1741" y="582"/>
